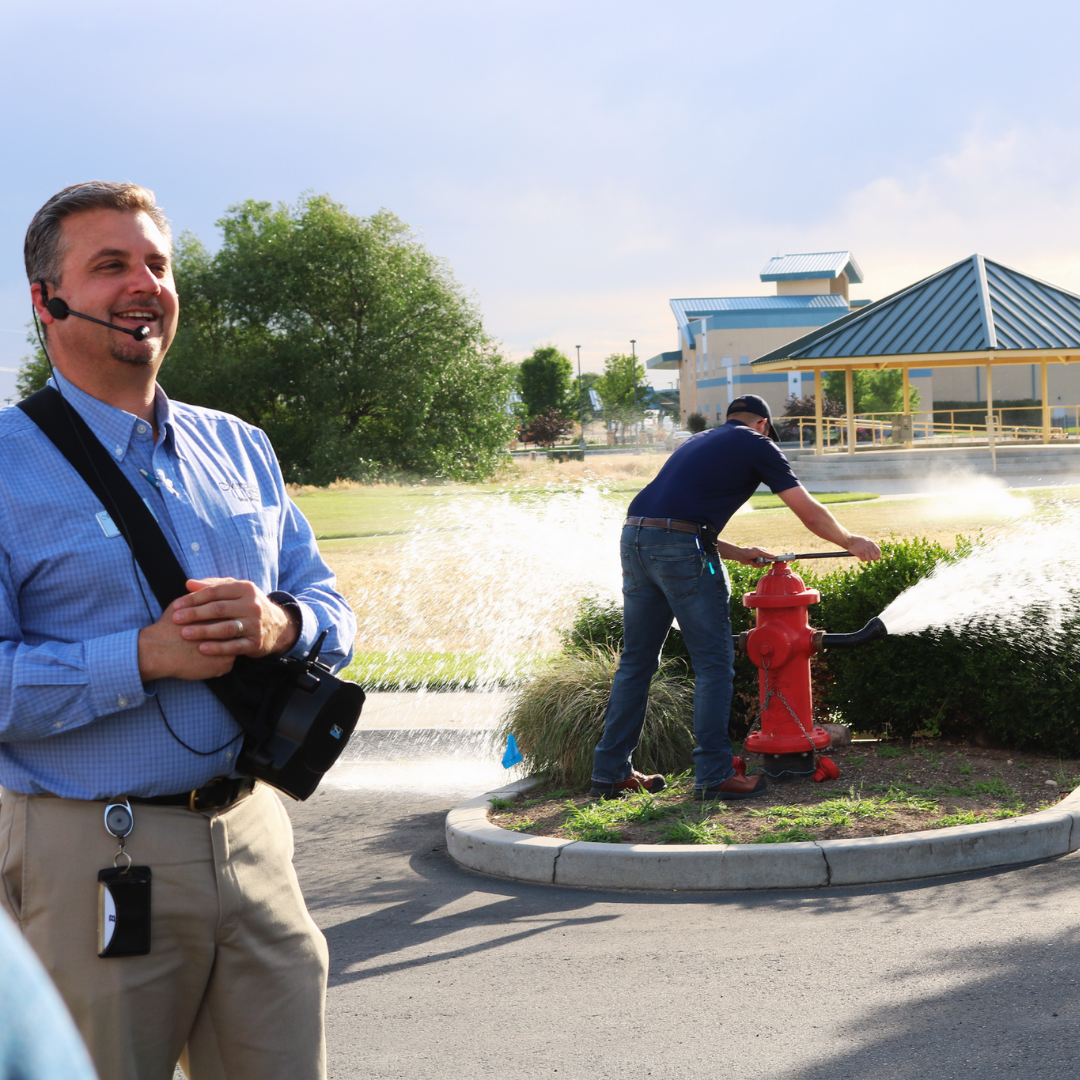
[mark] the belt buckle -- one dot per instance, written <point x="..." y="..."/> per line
<point x="196" y="805"/>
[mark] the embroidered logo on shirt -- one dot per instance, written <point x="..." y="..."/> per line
<point x="248" y="493"/>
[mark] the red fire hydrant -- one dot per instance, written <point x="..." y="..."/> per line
<point x="781" y="645"/>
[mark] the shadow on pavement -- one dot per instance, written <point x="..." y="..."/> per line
<point x="997" y="1011"/>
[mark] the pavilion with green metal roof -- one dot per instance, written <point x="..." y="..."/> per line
<point x="977" y="312"/>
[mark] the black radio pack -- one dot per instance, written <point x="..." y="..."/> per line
<point x="296" y="715"/>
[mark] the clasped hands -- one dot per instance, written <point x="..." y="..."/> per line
<point x="200" y="635"/>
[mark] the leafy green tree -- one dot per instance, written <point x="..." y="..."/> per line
<point x="345" y="339"/>
<point x="33" y="369"/>
<point x="546" y="382"/>
<point x="875" y="391"/>
<point x="696" y="422"/>
<point x="623" y="390"/>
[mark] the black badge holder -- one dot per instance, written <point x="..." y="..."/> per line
<point x="297" y="716"/>
<point x="123" y="894"/>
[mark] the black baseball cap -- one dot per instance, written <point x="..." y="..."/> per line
<point x="751" y="403"/>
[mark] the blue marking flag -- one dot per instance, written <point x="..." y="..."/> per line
<point x="512" y="755"/>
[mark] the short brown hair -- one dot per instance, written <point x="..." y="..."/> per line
<point x="42" y="250"/>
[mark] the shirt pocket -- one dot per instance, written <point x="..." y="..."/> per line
<point x="259" y="535"/>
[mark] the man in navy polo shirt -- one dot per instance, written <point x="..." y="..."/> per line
<point x="669" y="541"/>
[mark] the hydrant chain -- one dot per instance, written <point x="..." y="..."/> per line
<point x="771" y="692"/>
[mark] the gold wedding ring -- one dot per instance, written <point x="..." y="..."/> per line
<point x="239" y="628"/>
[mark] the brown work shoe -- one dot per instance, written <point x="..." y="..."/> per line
<point x="636" y="781"/>
<point x="735" y="787"/>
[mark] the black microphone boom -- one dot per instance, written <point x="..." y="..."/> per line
<point x="58" y="309"/>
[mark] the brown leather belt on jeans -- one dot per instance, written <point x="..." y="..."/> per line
<point x="666" y="523"/>
<point x="221" y="793"/>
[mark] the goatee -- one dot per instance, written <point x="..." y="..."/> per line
<point x="135" y="354"/>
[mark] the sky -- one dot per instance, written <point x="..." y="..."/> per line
<point x="577" y="164"/>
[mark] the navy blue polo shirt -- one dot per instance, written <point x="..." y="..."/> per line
<point x="712" y="474"/>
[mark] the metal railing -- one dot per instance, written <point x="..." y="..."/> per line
<point x="883" y="429"/>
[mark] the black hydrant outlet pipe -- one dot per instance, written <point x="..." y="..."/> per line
<point x="872" y="631"/>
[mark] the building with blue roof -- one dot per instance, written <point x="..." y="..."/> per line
<point x="720" y="336"/>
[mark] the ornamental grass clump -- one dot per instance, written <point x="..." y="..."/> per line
<point x="558" y="717"/>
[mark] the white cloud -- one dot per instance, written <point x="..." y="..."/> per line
<point x="1014" y="196"/>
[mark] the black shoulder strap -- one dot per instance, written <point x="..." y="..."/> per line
<point x="242" y="690"/>
<point x="71" y="435"/>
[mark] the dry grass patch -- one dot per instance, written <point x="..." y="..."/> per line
<point x="596" y="468"/>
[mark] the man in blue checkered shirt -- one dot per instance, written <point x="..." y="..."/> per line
<point x="101" y="692"/>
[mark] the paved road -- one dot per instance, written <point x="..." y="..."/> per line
<point x="437" y="972"/>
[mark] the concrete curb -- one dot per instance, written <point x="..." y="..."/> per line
<point x="474" y="842"/>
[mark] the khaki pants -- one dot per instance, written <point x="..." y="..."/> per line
<point x="236" y="975"/>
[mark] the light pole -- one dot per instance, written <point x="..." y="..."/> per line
<point x="633" y="375"/>
<point x="580" y="402"/>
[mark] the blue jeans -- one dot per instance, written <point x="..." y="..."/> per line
<point x="663" y="578"/>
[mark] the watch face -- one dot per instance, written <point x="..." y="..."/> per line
<point x="119" y="819"/>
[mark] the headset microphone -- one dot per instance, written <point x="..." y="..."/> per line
<point x="58" y="309"/>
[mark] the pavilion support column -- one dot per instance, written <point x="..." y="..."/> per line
<point x="849" y="394"/>
<point x="819" y="412"/>
<point x="1045" y="405"/>
<point x="991" y="424"/>
<point x="907" y="403"/>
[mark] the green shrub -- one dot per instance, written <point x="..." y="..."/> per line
<point x="1018" y="691"/>
<point x="598" y="624"/>
<point x="558" y="717"/>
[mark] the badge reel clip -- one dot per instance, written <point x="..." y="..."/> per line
<point x="123" y="893"/>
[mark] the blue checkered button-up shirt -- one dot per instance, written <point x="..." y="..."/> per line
<point x="75" y="718"/>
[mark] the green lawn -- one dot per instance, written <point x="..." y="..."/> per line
<point x="365" y="513"/>
<point x="774" y="502"/>
<point x="439" y="671"/>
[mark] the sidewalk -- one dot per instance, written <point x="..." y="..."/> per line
<point x="432" y="742"/>
<point x="453" y="709"/>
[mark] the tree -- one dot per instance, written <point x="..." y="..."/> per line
<point x="33" y="369"/>
<point x="623" y="390"/>
<point x="549" y="426"/>
<point x="544" y="381"/>
<point x="345" y="339"/>
<point x="874" y="391"/>
<point x="807" y="406"/>
<point x="696" y="422"/>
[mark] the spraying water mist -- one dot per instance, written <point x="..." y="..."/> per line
<point x="494" y="574"/>
<point x="1018" y="570"/>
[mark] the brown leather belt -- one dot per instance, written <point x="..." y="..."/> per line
<point x="666" y="523"/>
<point x="219" y="794"/>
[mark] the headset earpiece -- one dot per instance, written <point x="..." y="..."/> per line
<point x="56" y="307"/>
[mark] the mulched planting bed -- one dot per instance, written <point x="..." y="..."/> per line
<point x="883" y="788"/>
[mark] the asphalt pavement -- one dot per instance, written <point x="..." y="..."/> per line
<point x="439" y="972"/>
